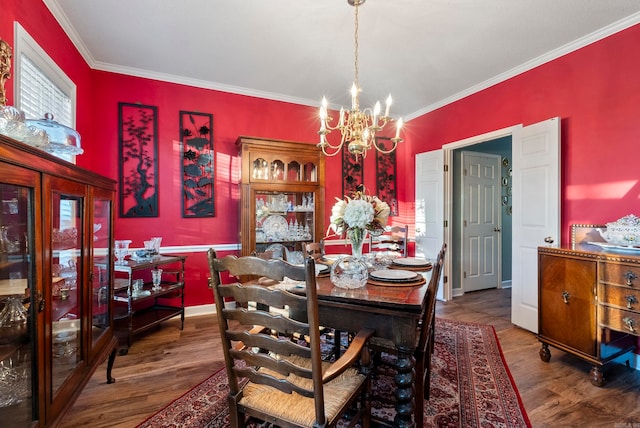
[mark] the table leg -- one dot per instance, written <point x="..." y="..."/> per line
<point x="405" y="382"/>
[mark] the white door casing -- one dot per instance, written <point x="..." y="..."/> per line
<point x="481" y="221"/>
<point x="429" y="210"/>
<point x="536" y="212"/>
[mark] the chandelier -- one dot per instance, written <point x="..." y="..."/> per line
<point x="357" y="128"/>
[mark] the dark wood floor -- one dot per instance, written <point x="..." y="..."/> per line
<point x="167" y="362"/>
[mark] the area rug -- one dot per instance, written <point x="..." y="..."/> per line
<point x="471" y="386"/>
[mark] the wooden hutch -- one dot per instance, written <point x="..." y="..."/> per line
<point x="56" y="279"/>
<point x="282" y="194"/>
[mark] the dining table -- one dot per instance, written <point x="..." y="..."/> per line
<point x="393" y="311"/>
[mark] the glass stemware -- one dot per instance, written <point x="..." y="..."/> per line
<point x="121" y="250"/>
<point x="156" y="277"/>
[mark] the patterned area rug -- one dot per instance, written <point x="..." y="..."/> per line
<point x="471" y="386"/>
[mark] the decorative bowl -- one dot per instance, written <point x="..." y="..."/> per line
<point x="623" y="232"/>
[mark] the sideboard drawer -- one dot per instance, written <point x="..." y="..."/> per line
<point x="623" y="297"/>
<point x="619" y="274"/>
<point x="620" y="320"/>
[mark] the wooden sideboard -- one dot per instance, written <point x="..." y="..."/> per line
<point x="588" y="303"/>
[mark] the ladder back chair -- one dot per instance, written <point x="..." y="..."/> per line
<point x="425" y="341"/>
<point x="288" y="384"/>
<point x="394" y="238"/>
<point x="314" y="250"/>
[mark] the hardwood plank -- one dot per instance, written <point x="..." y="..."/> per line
<point x="166" y="362"/>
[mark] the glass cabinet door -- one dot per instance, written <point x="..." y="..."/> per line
<point x="284" y="217"/>
<point x="66" y="267"/>
<point x="17" y="335"/>
<point x="101" y="275"/>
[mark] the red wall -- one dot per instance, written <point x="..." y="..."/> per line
<point x="595" y="91"/>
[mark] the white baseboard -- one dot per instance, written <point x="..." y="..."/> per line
<point x="192" y="311"/>
<point x="209" y="309"/>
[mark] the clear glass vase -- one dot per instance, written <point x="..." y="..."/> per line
<point x="349" y="272"/>
<point x="356" y="237"/>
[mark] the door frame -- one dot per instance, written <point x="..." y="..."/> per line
<point x="448" y="192"/>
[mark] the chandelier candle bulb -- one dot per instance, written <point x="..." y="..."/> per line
<point x="398" y="128"/>
<point x="376" y="112"/>
<point x="389" y="101"/>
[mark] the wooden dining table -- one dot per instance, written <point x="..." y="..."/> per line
<point x="393" y="311"/>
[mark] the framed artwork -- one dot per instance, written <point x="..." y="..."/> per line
<point x="352" y="172"/>
<point x="196" y="149"/>
<point x="138" y="151"/>
<point x="386" y="175"/>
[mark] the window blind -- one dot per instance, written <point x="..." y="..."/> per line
<point x="39" y="95"/>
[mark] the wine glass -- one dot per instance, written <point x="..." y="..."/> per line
<point x="156" y="277"/>
<point x="121" y="250"/>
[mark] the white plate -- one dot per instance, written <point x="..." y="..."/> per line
<point x="393" y="275"/>
<point x="275" y="225"/>
<point x="320" y="269"/>
<point x="334" y="256"/>
<point x="618" y="248"/>
<point x="411" y="261"/>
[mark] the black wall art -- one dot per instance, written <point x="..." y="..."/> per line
<point x="196" y="148"/>
<point x="386" y="175"/>
<point x="352" y="172"/>
<point x="138" y="138"/>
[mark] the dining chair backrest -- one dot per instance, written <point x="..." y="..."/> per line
<point x="428" y="320"/>
<point x="426" y="338"/>
<point x="314" y="249"/>
<point x="283" y="375"/>
<point x="394" y="238"/>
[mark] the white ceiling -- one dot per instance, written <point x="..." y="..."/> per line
<point x="426" y="53"/>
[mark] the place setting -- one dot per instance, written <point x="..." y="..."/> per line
<point x="414" y="264"/>
<point x="395" y="278"/>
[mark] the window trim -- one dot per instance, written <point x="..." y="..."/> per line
<point x="25" y="44"/>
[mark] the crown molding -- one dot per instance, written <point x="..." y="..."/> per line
<point x="604" y="32"/>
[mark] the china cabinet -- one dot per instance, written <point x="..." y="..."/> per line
<point x="56" y="235"/>
<point x="282" y="194"/>
<point x="588" y="304"/>
<point x="140" y="308"/>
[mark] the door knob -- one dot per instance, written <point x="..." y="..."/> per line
<point x="496" y="229"/>
<point x="548" y="240"/>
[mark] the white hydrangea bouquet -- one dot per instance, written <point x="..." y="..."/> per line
<point x="356" y="214"/>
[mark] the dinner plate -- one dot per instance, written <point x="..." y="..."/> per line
<point x="393" y="275"/>
<point x="322" y="269"/>
<point x="275" y="226"/>
<point x="411" y="261"/>
<point x="334" y="256"/>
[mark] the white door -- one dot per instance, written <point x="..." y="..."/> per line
<point x="536" y="212"/>
<point x="481" y="220"/>
<point x="429" y="208"/>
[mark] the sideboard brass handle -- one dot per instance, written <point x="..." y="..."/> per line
<point x="631" y="299"/>
<point x="629" y="323"/>
<point x="565" y="297"/>
<point x="630" y="276"/>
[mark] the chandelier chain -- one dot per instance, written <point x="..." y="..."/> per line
<point x="355" y="46"/>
